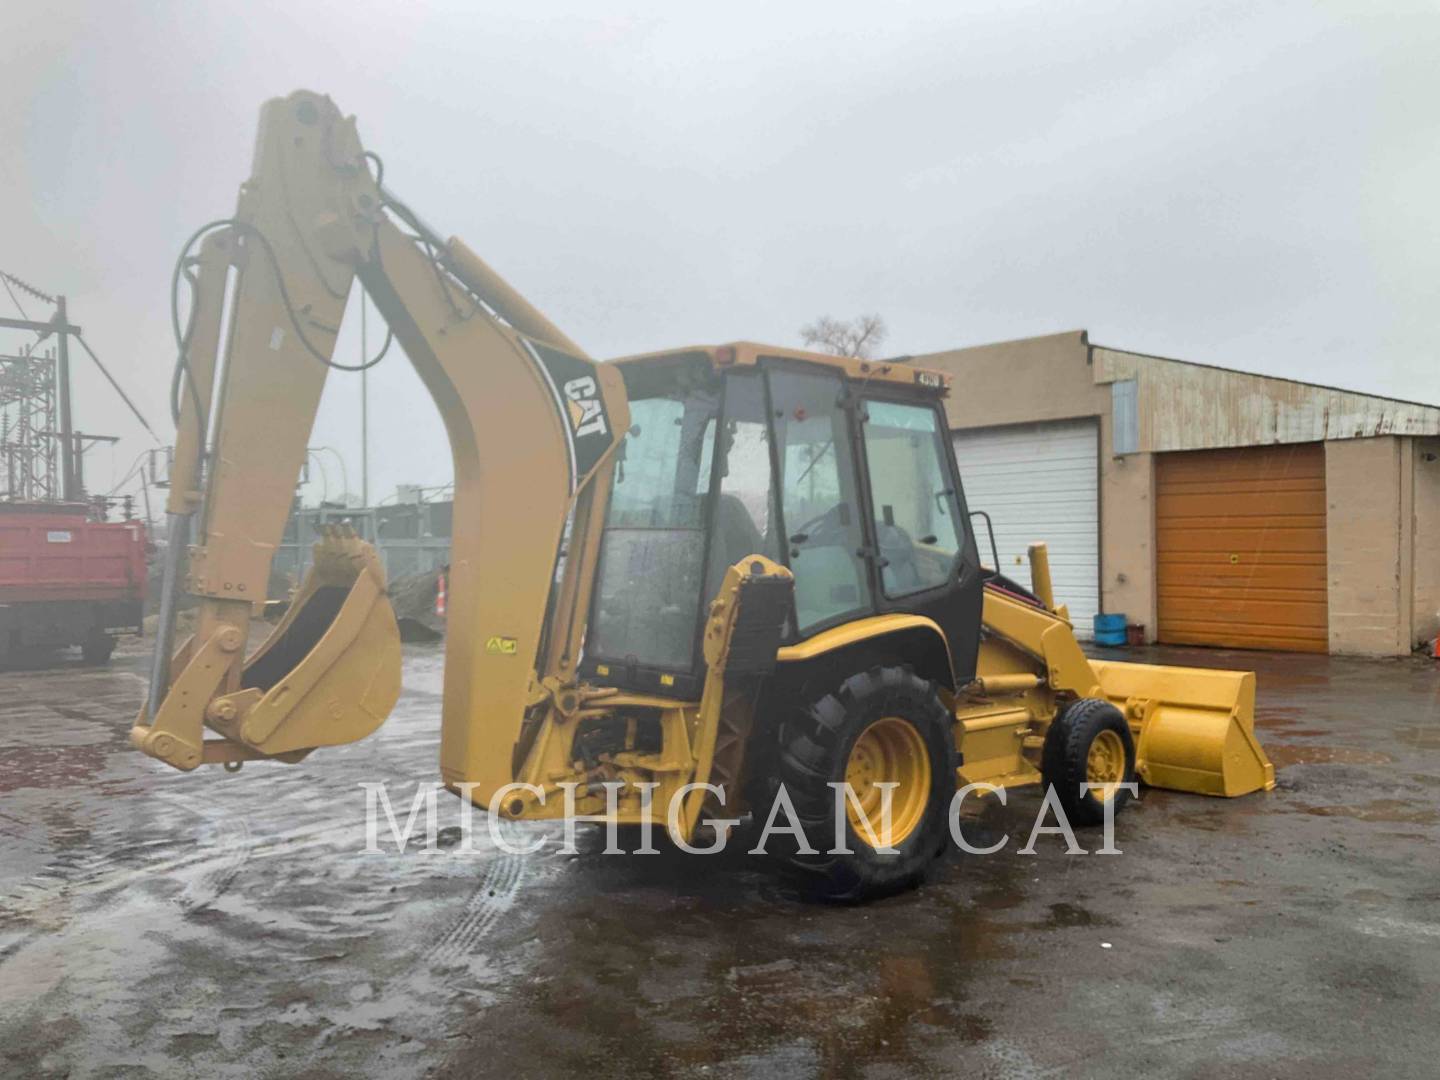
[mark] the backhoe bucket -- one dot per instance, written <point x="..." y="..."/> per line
<point x="1195" y="728"/>
<point x="329" y="673"/>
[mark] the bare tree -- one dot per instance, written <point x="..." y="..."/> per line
<point x="845" y="337"/>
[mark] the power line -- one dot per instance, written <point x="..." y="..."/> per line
<point x="13" y="298"/>
<point x="123" y="396"/>
<point x="24" y="286"/>
<point x="136" y="466"/>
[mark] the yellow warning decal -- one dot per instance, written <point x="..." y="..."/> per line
<point x="667" y="680"/>
<point x="502" y="646"/>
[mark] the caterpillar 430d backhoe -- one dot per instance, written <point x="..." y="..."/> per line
<point x="739" y="566"/>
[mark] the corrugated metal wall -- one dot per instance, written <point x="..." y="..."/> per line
<point x="1185" y="406"/>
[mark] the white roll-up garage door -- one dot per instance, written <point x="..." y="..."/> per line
<point x="1040" y="482"/>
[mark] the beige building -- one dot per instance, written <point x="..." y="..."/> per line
<point x="1213" y="506"/>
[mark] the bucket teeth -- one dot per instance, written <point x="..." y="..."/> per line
<point x="340" y="556"/>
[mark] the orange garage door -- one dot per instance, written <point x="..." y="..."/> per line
<point x="1240" y="547"/>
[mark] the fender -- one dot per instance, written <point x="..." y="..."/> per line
<point x="924" y="642"/>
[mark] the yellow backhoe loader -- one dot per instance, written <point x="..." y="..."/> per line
<point x="744" y="567"/>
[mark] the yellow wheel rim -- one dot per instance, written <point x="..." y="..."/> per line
<point x="1105" y="764"/>
<point x="889" y="751"/>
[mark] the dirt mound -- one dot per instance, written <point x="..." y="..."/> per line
<point x="413" y="597"/>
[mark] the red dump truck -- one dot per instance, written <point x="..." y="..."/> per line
<point x="66" y="579"/>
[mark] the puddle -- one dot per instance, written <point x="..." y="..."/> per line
<point x="1284" y="754"/>
<point x="1277" y="716"/>
<point x="1399" y="811"/>
<point x="1064" y="915"/>
<point x="1422" y="738"/>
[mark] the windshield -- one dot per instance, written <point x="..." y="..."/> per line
<point x="652" y="554"/>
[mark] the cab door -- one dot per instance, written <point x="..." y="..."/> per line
<point x="923" y="553"/>
<point x="820" y="501"/>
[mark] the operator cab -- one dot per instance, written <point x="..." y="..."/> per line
<point x="839" y="469"/>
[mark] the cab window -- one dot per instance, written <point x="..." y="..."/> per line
<point x="745" y="521"/>
<point x="652" y="552"/>
<point x="818" y="500"/>
<point x="917" y="513"/>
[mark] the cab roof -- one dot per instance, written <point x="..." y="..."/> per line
<point x="749" y="353"/>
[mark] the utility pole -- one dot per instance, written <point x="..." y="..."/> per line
<point x="54" y="401"/>
<point x="81" y="443"/>
<point x="69" y="485"/>
<point x="364" y="408"/>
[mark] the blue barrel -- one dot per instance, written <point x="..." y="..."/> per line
<point x="1109" y="629"/>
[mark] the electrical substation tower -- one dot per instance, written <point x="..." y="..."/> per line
<point x="29" y="406"/>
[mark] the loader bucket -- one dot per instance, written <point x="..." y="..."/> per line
<point x="329" y="673"/>
<point x="1194" y="728"/>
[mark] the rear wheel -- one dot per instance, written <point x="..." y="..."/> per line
<point x="97" y="648"/>
<point x="885" y="726"/>
<point x="1089" y="744"/>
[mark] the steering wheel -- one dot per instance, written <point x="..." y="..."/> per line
<point x="824" y="530"/>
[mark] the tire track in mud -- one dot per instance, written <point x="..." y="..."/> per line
<point x="494" y="895"/>
<point x="96" y="872"/>
<point x="209" y="865"/>
<point x="196" y="850"/>
<point x="235" y="847"/>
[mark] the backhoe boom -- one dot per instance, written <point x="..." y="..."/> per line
<point x="531" y="423"/>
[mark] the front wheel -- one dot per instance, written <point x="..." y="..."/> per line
<point x="97" y="648"/>
<point x="1089" y="753"/>
<point x="881" y="728"/>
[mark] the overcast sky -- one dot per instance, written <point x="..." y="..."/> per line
<point x="1250" y="185"/>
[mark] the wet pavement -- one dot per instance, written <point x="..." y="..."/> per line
<point x="157" y="923"/>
